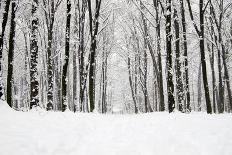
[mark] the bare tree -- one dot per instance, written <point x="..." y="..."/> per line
<point x="94" y="26"/>
<point x="34" y="56"/>
<point x="66" y="59"/>
<point x="4" y="22"/>
<point x="200" y="32"/>
<point x="10" y="79"/>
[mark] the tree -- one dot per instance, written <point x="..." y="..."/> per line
<point x="184" y="35"/>
<point x="94" y="25"/>
<point x="50" y="8"/>
<point x="81" y="24"/>
<point x="4" y="22"/>
<point x="34" y="56"/>
<point x="160" y="72"/>
<point x="221" y="53"/>
<point x="66" y="59"/>
<point x="178" y="65"/>
<point x="170" y="85"/>
<point x="200" y="32"/>
<point x="11" y="54"/>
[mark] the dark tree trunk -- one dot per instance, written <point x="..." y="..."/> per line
<point x="49" y="57"/>
<point x="201" y="33"/>
<point x="170" y="85"/>
<point x="227" y="77"/>
<point x="186" y="75"/>
<point x="10" y="79"/>
<point x="66" y="59"/>
<point x="4" y="22"/>
<point x="221" y="86"/>
<point x="211" y="51"/>
<point x="145" y="59"/>
<point x="203" y="62"/>
<point x="34" y="56"/>
<point x="179" y="85"/>
<point x="82" y="72"/>
<point x="131" y="85"/>
<point x="94" y="25"/>
<point x="199" y="89"/>
<point x="160" y="73"/>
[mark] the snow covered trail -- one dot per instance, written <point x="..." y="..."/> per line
<point x="50" y="133"/>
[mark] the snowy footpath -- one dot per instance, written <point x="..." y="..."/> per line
<point x="50" y="133"/>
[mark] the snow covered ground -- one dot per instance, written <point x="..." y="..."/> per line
<point x="50" y="133"/>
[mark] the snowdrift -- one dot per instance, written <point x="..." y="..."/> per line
<point x="50" y="133"/>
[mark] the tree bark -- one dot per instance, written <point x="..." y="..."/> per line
<point x="10" y="79"/>
<point x="201" y="33"/>
<point x="94" y="25"/>
<point x="179" y="85"/>
<point x="66" y="59"/>
<point x="49" y="56"/>
<point x="186" y="74"/>
<point x="170" y="85"/>
<point x="34" y="57"/>
<point x="160" y="72"/>
<point x="4" y="22"/>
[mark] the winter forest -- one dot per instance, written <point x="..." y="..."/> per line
<point x="139" y="59"/>
<point x="129" y="56"/>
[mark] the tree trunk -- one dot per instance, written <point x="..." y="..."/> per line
<point x="179" y="85"/>
<point x="160" y="72"/>
<point x="131" y="85"/>
<point x="34" y="56"/>
<point x="66" y="59"/>
<point x="94" y="25"/>
<point x="186" y="74"/>
<point x="170" y="85"/>
<point x="49" y="58"/>
<point x="201" y="33"/>
<point x="203" y="62"/>
<point x="10" y="79"/>
<point x="199" y="89"/>
<point x="4" y="22"/>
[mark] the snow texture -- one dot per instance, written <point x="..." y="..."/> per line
<point x="49" y="133"/>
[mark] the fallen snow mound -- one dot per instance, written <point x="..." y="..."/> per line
<point x="50" y="133"/>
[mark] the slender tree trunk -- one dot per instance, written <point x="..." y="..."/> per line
<point x="94" y="25"/>
<point x="66" y="59"/>
<point x="227" y="77"/>
<point x="201" y="34"/>
<point x="131" y="85"/>
<point x="50" y="67"/>
<point x="82" y="72"/>
<point x="4" y="22"/>
<point x="160" y="73"/>
<point x="203" y="62"/>
<point x="179" y="85"/>
<point x="199" y="88"/>
<point x="211" y="51"/>
<point x="10" y="79"/>
<point x="34" y="56"/>
<point x="170" y="85"/>
<point x="221" y="86"/>
<point x="186" y="75"/>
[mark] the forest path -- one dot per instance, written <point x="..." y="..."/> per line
<point x="50" y="133"/>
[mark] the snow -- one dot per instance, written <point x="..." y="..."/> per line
<point x="51" y="133"/>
